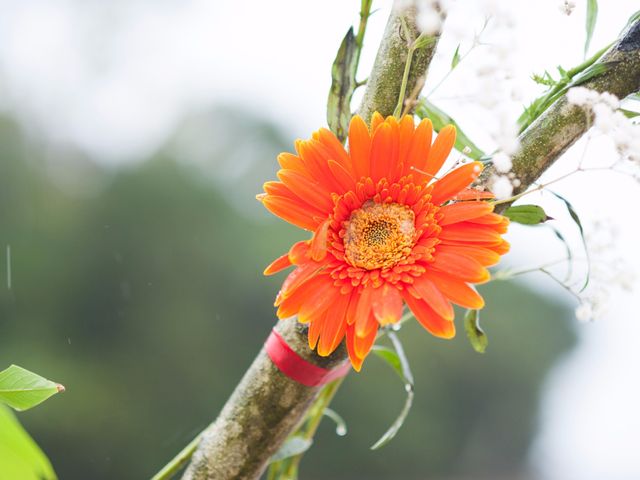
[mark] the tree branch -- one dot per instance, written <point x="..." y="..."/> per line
<point x="384" y="83"/>
<point x="551" y="134"/>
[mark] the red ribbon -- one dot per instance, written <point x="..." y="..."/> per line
<point x="297" y="368"/>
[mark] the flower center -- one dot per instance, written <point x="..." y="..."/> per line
<point x="379" y="235"/>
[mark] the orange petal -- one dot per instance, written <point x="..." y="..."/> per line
<point x="489" y="219"/>
<point x="456" y="290"/>
<point x="363" y="311"/>
<point x="319" y="242"/>
<point x="420" y="146"/>
<point x="278" y="265"/>
<point x="315" y="329"/>
<point x="362" y="345"/>
<point x="308" y="190"/>
<point x="316" y="158"/>
<point x="290" y="161"/>
<point x="296" y="278"/>
<point x="356" y="361"/>
<point x="452" y="183"/>
<point x="474" y="194"/>
<point x="334" y="326"/>
<point x="469" y="233"/>
<point x="298" y="253"/>
<point x="342" y="177"/>
<point x="502" y="248"/>
<point x="485" y="256"/>
<point x="462" y="211"/>
<point x="290" y="305"/>
<point x="317" y="300"/>
<point x="428" y="318"/>
<point x="381" y="154"/>
<point x="428" y="292"/>
<point x="406" y="137"/>
<point x="460" y="266"/>
<point x="359" y="146"/>
<point x="441" y="149"/>
<point x="376" y="121"/>
<point x="290" y="211"/>
<point x="386" y="304"/>
<point x="339" y="154"/>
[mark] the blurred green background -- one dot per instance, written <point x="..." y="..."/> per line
<point x="140" y="289"/>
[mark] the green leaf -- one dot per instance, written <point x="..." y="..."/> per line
<point x="407" y="377"/>
<point x="439" y="118"/>
<point x="477" y="337"/>
<point x="20" y="456"/>
<point x="576" y="219"/>
<point x="456" y="58"/>
<point x="592" y="16"/>
<point x="22" y="389"/>
<point x="629" y="113"/>
<point x="526" y="214"/>
<point x="343" y="84"/>
<point x="423" y="41"/>
<point x="567" y="247"/>
<point x="391" y="357"/>
<point x="341" y="425"/>
<point x="292" y="447"/>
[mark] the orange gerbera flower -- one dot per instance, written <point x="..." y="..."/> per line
<point x="386" y="231"/>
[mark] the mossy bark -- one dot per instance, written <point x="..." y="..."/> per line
<point x="383" y="85"/>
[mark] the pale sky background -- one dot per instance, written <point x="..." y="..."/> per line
<point x="115" y="78"/>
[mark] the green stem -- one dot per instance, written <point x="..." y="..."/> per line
<point x="179" y="461"/>
<point x="365" y="12"/>
<point x="407" y="69"/>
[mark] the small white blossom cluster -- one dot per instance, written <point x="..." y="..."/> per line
<point x="609" y="272"/>
<point x="609" y="121"/>
<point x="567" y="6"/>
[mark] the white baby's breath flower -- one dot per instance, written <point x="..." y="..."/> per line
<point x="502" y="162"/>
<point x="567" y="6"/>
<point x="584" y="312"/>
<point x="501" y="187"/>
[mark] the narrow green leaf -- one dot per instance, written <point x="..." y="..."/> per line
<point x="22" y="389"/>
<point x="343" y="83"/>
<point x="567" y="247"/>
<point x="526" y="214"/>
<point x="423" y="41"/>
<point x="576" y="219"/>
<point x="20" y="456"/>
<point x="629" y="113"/>
<point x="341" y="425"/>
<point x="592" y="17"/>
<point x="477" y="337"/>
<point x="407" y="377"/>
<point x="292" y="447"/>
<point x="456" y="58"/>
<point x="391" y="357"/>
<point x="439" y="118"/>
<point x="593" y="71"/>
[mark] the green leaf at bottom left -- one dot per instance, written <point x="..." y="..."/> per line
<point x="20" y="456"/>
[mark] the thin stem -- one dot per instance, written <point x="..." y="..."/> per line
<point x="407" y="69"/>
<point x="365" y="13"/>
<point x="179" y="461"/>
